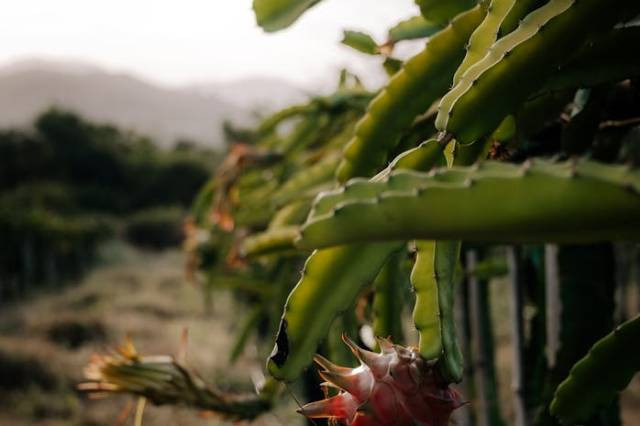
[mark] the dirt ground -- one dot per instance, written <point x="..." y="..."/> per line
<point x="46" y="341"/>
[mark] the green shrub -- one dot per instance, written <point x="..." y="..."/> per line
<point x="157" y="228"/>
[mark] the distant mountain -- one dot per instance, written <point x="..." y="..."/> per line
<point x="255" y="94"/>
<point x="70" y="67"/>
<point x="195" y="113"/>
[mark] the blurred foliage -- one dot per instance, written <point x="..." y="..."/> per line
<point x="68" y="183"/>
<point x="264" y="186"/>
<point x="155" y="228"/>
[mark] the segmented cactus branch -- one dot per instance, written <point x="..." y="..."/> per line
<point x="443" y="11"/>
<point x="598" y="377"/>
<point x="409" y="93"/>
<point x="330" y="282"/>
<point x="276" y="240"/>
<point x="499" y="83"/>
<point x="574" y="201"/>
<point x="274" y="15"/>
<point x="484" y="36"/>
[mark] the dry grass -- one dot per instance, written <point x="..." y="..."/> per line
<point x="142" y="295"/>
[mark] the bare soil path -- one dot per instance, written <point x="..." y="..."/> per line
<point x="46" y="341"/>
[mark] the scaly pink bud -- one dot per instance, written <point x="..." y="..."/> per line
<point x="396" y="387"/>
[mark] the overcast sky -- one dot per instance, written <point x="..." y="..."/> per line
<point x="179" y="42"/>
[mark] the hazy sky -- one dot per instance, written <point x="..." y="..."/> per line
<point x="184" y="41"/>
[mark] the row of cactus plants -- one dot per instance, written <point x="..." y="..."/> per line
<point x="67" y="183"/>
<point x="42" y="247"/>
<point x="506" y="129"/>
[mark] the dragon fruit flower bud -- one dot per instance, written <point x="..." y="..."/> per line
<point x="395" y="387"/>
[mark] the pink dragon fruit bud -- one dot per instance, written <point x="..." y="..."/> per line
<point x="395" y="387"/>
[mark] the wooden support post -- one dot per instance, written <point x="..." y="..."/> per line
<point x="478" y="349"/>
<point x="553" y="303"/>
<point x="462" y="416"/>
<point x="517" y="339"/>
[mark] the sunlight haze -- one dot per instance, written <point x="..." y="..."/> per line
<point x="191" y="41"/>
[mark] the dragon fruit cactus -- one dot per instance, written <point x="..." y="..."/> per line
<point x="396" y="387"/>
